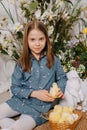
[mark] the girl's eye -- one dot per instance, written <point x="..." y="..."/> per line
<point x="32" y="39"/>
<point x="41" y="39"/>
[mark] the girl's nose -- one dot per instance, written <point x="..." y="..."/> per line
<point x="37" y="43"/>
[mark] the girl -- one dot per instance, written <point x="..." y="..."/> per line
<point x="32" y="79"/>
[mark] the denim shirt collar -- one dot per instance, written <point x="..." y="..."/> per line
<point x="33" y="58"/>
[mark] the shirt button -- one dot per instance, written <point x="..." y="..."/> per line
<point x="43" y="107"/>
<point x="40" y="87"/>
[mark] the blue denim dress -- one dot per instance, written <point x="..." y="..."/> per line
<point x="40" y="77"/>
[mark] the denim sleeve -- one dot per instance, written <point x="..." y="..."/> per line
<point x="61" y="77"/>
<point x="17" y="88"/>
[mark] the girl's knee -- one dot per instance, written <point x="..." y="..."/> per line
<point x="6" y="122"/>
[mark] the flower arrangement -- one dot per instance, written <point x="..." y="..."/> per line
<point x="76" y="56"/>
<point x="60" y="17"/>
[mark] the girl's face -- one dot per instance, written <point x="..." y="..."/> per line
<point x="36" y="42"/>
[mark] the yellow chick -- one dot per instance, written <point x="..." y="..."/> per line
<point x="58" y="108"/>
<point x="54" y="90"/>
<point x="62" y="114"/>
<point x="71" y="119"/>
<point x="67" y="117"/>
<point x="68" y="109"/>
<point x="54" y="116"/>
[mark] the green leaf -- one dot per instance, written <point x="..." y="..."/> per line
<point x="33" y="5"/>
<point x="15" y="55"/>
<point x="84" y="56"/>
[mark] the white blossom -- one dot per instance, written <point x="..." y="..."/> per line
<point x="50" y="30"/>
<point x="38" y="14"/>
<point x="17" y="27"/>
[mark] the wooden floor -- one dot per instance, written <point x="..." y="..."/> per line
<point x="82" y="125"/>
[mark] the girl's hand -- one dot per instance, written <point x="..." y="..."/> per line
<point x="60" y="94"/>
<point x="42" y="95"/>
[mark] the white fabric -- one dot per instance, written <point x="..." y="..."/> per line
<point x="25" y="122"/>
<point x="6" y="111"/>
<point x="84" y="91"/>
<point x="6" y="122"/>
<point x="5" y="129"/>
<point x="6" y="69"/>
<point x="73" y="92"/>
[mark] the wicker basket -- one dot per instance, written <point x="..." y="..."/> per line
<point x="66" y="125"/>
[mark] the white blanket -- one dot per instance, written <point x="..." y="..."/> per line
<point x="6" y="69"/>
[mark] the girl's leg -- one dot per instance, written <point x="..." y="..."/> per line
<point x="25" y="122"/>
<point x="6" y="111"/>
<point x="6" y="122"/>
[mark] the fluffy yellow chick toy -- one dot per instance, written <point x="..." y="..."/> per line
<point x="67" y="117"/>
<point x="68" y="109"/>
<point x="54" y="116"/>
<point x="54" y="90"/>
<point x="58" y="108"/>
<point x="63" y="114"/>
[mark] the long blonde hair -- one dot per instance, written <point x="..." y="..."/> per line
<point x="25" y="58"/>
